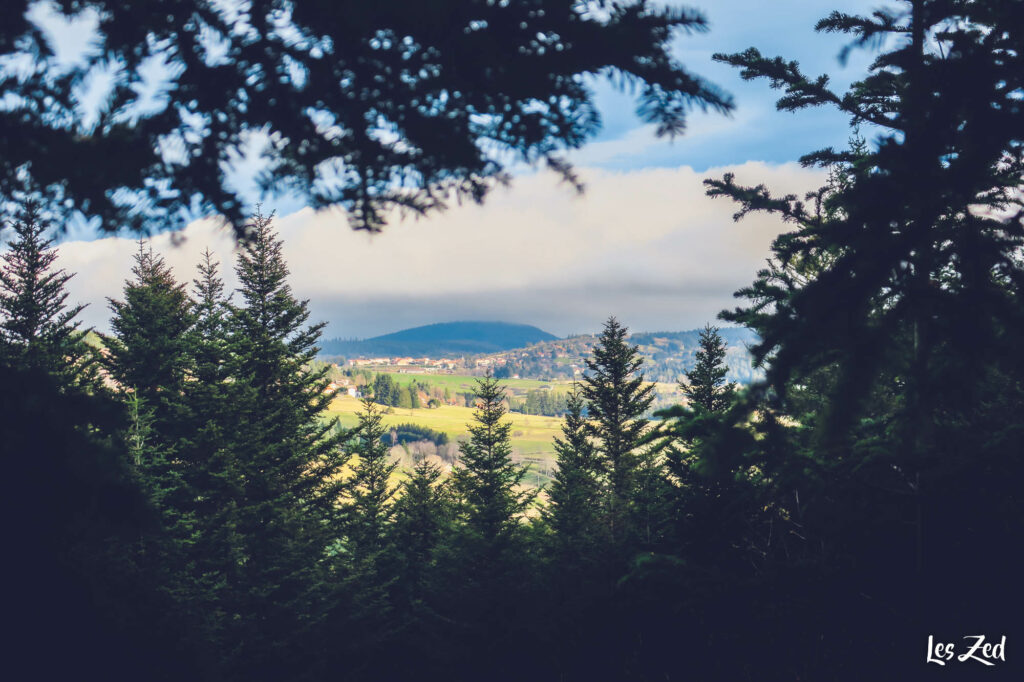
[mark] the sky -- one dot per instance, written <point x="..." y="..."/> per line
<point x="643" y="243"/>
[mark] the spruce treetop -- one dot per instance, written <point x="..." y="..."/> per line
<point x="148" y="347"/>
<point x="616" y="392"/>
<point x="37" y="328"/>
<point x="487" y="480"/>
<point x="575" y="493"/>
<point x="269" y="320"/>
<point x="617" y="397"/>
<point x="370" y="491"/>
<point x="705" y="386"/>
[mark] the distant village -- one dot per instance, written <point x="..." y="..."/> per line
<point x="552" y="360"/>
<point x="667" y="356"/>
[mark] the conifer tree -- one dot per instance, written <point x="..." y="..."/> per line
<point x="422" y="514"/>
<point x="488" y="483"/>
<point x="147" y="352"/>
<point x="575" y="493"/>
<point x="290" y="460"/>
<point x="889" y="315"/>
<point x="485" y="553"/>
<point x="918" y="240"/>
<point x="365" y="571"/>
<point x="104" y="550"/>
<point x="38" y="330"/>
<point x="209" y="388"/>
<point x="211" y="309"/>
<point x="617" y="398"/>
<point x="370" y="507"/>
<point x="148" y="359"/>
<point x="210" y="447"/>
<point x="163" y="481"/>
<point x="705" y="386"/>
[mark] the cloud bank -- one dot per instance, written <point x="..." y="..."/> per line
<point x="646" y="246"/>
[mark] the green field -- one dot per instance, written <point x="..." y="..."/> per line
<point x="532" y="435"/>
<point x="462" y="383"/>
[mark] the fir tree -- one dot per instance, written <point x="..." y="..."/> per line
<point x="487" y="482"/>
<point x="486" y="551"/>
<point x="422" y="514"/>
<point x="163" y="481"/>
<point x="210" y="447"/>
<point x="290" y="464"/>
<point x="574" y="495"/>
<point x="917" y="238"/>
<point x="889" y="315"/>
<point x="209" y="392"/>
<point x="370" y="494"/>
<point x="211" y="363"/>
<point x="147" y="352"/>
<point x="617" y="398"/>
<point x="147" y="358"/>
<point x="365" y="617"/>
<point x="705" y="386"/>
<point x="38" y="330"/>
<point x="209" y="348"/>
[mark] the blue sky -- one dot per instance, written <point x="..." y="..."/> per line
<point x="643" y="243"/>
<point x="756" y="131"/>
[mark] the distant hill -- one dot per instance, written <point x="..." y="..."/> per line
<point x="445" y="339"/>
<point x="667" y="356"/>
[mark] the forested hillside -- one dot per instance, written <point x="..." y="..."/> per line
<point x="441" y="340"/>
<point x="667" y="356"/>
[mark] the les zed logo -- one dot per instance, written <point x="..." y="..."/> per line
<point x="978" y="650"/>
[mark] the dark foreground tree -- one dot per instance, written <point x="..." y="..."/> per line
<point x="915" y="242"/>
<point x="402" y="104"/>
<point x="73" y="515"/>
<point x="889" y="320"/>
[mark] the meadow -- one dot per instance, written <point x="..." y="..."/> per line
<point x="532" y="435"/>
<point x="462" y="383"/>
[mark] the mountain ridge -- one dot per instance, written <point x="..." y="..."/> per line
<point x="442" y="339"/>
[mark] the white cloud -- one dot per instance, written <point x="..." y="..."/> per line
<point x="647" y="246"/>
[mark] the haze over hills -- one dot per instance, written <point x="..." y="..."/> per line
<point x="444" y="339"/>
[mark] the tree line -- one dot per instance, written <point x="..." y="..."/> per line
<point x="279" y="544"/>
